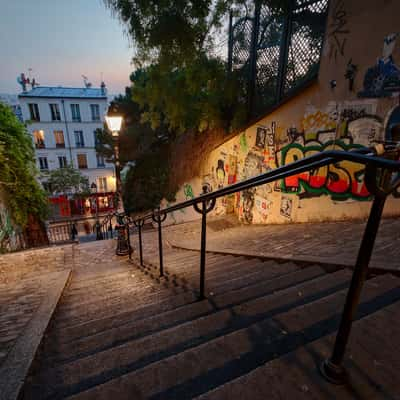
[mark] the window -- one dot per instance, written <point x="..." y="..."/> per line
<point x="76" y="113"/>
<point x="59" y="138"/>
<point x="79" y="142"/>
<point x="34" y="111"/>
<point x="103" y="202"/>
<point x="100" y="160"/>
<point x="43" y="163"/>
<point x="95" y="110"/>
<point x="62" y="161"/>
<point x="38" y="137"/>
<point x="55" y="112"/>
<point x="102" y="184"/>
<point x="82" y="161"/>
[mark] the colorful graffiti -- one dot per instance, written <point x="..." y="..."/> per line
<point x="355" y="121"/>
<point x="243" y="142"/>
<point x="383" y="79"/>
<point x="188" y="191"/>
<point x="271" y="135"/>
<point x="341" y="181"/>
<point x="232" y="169"/>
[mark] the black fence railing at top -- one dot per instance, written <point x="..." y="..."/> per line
<point x="382" y="177"/>
<point x="276" y="50"/>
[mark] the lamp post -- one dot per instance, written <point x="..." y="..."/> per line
<point x="114" y="122"/>
<point x="99" y="235"/>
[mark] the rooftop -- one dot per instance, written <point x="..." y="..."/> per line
<point x="65" y="92"/>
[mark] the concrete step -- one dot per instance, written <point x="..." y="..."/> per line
<point x="372" y="363"/>
<point x="208" y="365"/>
<point x="184" y="267"/>
<point x="218" y="300"/>
<point x="149" y="349"/>
<point x="182" y="256"/>
<point x="62" y="352"/>
<point x="216" y="283"/>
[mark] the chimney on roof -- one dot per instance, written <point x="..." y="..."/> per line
<point x="103" y="88"/>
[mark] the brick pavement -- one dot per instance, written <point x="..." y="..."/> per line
<point x="23" y="285"/>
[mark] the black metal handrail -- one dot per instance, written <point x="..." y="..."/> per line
<point x="380" y="182"/>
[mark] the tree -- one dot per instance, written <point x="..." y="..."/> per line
<point x="180" y="82"/>
<point x="67" y="181"/>
<point x="147" y="180"/>
<point x="23" y="194"/>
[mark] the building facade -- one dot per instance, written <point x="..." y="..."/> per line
<point x="62" y="122"/>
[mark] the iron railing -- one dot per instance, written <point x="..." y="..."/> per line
<point x="61" y="233"/>
<point x="276" y="50"/>
<point x="382" y="177"/>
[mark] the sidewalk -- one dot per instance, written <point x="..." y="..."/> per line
<point x="330" y="242"/>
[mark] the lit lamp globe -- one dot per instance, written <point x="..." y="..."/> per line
<point x="114" y="124"/>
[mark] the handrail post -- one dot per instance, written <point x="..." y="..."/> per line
<point x="139" y="225"/>
<point x="159" y="220"/>
<point x="140" y="243"/>
<point x="203" y="249"/>
<point x="129" y="240"/>
<point x="206" y="207"/>
<point x="381" y="185"/>
<point x="160" y="248"/>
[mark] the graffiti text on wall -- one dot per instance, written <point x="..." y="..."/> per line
<point x="341" y="181"/>
<point x="338" y="30"/>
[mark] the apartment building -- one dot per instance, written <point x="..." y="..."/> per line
<point x="62" y="122"/>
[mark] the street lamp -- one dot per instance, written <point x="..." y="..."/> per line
<point x="99" y="235"/>
<point x="114" y="122"/>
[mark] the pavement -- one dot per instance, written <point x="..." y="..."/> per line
<point x="329" y="242"/>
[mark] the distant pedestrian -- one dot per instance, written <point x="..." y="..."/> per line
<point x="74" y="231"/>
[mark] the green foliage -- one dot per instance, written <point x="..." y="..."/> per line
<point x="169" y="32"/>
<point x="67" y="181"/>
<point x="147" y="182"/>
<point x="197" y="97"/>
<point x="180" y="84"/>
<point x="24" y="195"/>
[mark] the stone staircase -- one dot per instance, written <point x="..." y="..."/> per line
<point x="125" y="333"/>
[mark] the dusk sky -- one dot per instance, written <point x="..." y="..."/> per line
<point x="62" y="40"/>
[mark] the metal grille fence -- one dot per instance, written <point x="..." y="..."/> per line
<point x="277" y="50"/>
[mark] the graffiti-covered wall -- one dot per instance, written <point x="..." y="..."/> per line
<point x="354" y="103"/>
